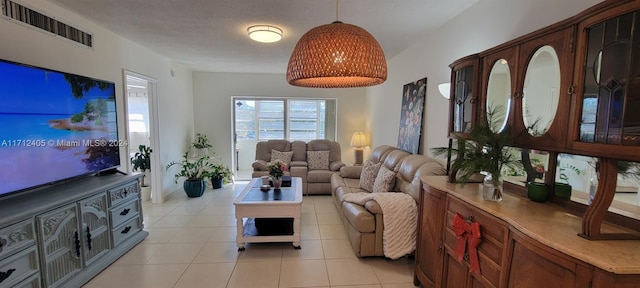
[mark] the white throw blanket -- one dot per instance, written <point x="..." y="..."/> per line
<point x="400" y="220"/>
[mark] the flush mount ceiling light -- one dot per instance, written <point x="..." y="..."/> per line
<point x="265" y="33"/>
<point x="337" y="55"/>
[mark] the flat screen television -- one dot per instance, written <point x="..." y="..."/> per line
<point x="54" y="126"/>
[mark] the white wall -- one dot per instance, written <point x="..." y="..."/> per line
<point x="485" y="24"/>
<point x="110" y="55"/>
<point x="212" y="106"/>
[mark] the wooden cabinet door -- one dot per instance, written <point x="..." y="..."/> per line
<point x="60" y="245"/>
<point x="463" y="100"/>
<point x="534" y="265"/>
<point x="429" y="252"/>
<point x="456" y="273"/>
<point x="95" y="227"/>
<point x="606" y="122"/>
<point x="499" y="70"/>
<point x="537" y="120"/>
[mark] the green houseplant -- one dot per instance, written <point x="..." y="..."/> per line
<point x="141" y="161"/>
<point x="220" y="174"/>
<point x="195" y="171"/>
<point x="485" y="151"/>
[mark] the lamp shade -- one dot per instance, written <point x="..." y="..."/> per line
<point x="445" y="89"/>
<point x="359" y="139"/>
<point x="337" y="55"/>
<point x="265" y="33"/>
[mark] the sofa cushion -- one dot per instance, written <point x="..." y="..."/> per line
<point x="319" y="176"/>
<point x="384" y="180"/>
<point x="361" y="219"/>
<point x="284" y="157"/>
<point x="318" y="160"/>
<point x="368" y="175"/>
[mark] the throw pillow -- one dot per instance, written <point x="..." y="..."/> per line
<point x="318" y="160"/>
<point x="384" y="180"/>
<point x="368" y="175"/>
<point x="285" y="157"/>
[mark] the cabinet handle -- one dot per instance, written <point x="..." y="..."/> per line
<point x="472" y="100"/>
<point x="571" y="90"/>
<point x="5" y="275"/>
<point x="2" y="243"/>
<point x="76" y="241"/>
<point x="466" y="257"/>
<point x="516" y="95"/>
<point x="88" y="238"/>
<point x="125" y="212"/>
<point x="440" y="249"/>
<point x="470" y="218"/>
<point x="125" y="230"/>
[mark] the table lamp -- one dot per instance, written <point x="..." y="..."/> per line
<point x="358" y="140"/>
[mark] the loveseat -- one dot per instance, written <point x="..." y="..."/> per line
<point x="314" y="161"/>
<point x="364" y="223"/>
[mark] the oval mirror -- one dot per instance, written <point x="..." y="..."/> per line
<point x="499" y="95"/>
<point x="541" y="91"/>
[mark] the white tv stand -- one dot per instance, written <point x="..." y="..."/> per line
<point x="64" y="235"/>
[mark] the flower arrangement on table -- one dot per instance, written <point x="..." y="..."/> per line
<point x="276" y="169"/>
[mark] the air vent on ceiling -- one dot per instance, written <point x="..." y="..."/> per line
<point x="38" y="20"/>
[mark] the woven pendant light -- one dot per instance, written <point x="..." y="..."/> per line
<point x="337" y="55"/>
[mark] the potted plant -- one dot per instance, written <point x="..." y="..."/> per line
<point x="201" y="144"/>
<point x="276" y="171"/>
<point x="195" y="171"/>
<point x="220" y="174"/>
<point x="484" y="152"/>
<point x="142" y="161"/>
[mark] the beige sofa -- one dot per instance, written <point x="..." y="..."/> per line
<point x="364" y="224"/>
<point x="315" y="180"/>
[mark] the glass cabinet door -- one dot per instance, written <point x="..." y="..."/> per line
<point x="464" y="74"/>
<point x="611" y="96"/>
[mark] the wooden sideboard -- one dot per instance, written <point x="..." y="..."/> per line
<point x="523" y="243"/>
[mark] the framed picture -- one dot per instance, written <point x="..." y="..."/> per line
<point x="413" y="98"/>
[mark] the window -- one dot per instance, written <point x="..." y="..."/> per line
<point x="292" y="119"/>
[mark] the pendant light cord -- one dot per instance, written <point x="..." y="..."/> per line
<point x="337" y="10"/>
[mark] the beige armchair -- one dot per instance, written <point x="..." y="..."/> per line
<point x="319" y="180"/>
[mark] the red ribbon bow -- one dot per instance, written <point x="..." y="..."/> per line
<point x="468" y="236"/>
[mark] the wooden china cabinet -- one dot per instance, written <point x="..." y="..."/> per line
<point x="572" y="87"/>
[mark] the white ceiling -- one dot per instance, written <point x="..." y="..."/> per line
<point x="211" y="35"/>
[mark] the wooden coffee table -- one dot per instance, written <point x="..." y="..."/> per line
<point x="253" y="203"/>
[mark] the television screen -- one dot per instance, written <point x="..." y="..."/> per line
<point x="53" y="126"/>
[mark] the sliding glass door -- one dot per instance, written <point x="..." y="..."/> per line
<point x="261" y="119"/>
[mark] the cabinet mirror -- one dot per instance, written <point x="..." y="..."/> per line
<point x="499" y="94"/>
<point x="541" y="91"/>
<point x="581" y="173"/>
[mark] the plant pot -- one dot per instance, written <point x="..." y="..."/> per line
<point x="145" y="193"/>
<point x="538" y="192"/>
<point x="563" y="191"/>
<point x="216" y="182"/>
<point x="194" y="188"/>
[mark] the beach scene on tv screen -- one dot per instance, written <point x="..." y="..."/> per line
<point x="53" y="126"/>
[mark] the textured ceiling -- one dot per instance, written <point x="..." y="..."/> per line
<point x="211" y="35"/>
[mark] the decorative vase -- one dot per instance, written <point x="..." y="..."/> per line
<point x="538" y="192"/>
<point x="194" y="188"/>
<point x="216" y="182"/>
<point x="277" y="183"/>
<point x="492" y="189"/>
<point x="562" y="191"/>
<point x="145" y="193"/>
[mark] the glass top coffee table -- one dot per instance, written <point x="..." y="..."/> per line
<point x="267" y="216"/>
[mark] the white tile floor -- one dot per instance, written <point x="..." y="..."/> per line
<point x="192" y="244"/>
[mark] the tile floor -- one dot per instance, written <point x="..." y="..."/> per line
<point x="192" y="244"/>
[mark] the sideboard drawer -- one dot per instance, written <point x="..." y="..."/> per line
<point x="123" y="193"/>
<point x="16" y="237"/>
<point x="126" y="230"/>
<point x="19" y="267"/>
<point x="31" y="282"/>
<point x="122" y="213"/>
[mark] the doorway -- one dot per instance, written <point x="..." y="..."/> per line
<point x="141" y="125"/>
